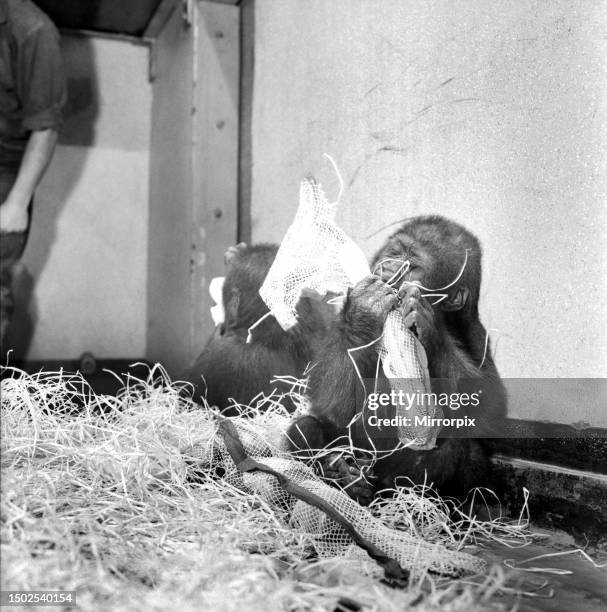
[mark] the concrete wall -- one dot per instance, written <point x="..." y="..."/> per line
<point x="493" y="114"/>
<point x="82" y="283"/>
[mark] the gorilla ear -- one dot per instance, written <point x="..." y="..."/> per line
<point x="456" y="302"/>
<point x="232" y="253"/>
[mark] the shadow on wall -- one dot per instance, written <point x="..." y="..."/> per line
<point x="78" y="130"/>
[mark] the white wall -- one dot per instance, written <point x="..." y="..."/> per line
<point x="86" y="260"/>
<point x="492" y="113"/>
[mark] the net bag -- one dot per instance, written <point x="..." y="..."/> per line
<point x="315" y="254"/>
<point x="405" y="365"/>
<point x="251" y="455"/>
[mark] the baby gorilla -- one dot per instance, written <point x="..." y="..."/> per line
<point x="230" y="368"/>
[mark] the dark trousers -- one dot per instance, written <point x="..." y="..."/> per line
<point x="12" y="245"/>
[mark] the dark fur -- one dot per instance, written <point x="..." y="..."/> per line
<point x="454" y="339"/>
<point x="228" y="367"/>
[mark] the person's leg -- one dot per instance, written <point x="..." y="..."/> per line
<point x="12" y="245"/>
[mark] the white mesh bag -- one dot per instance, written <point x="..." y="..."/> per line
<point x="405" y="364"/>
<point x="314" y="253"/>
<point x="263" y="440"/>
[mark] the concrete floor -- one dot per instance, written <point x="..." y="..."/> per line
<point x="584" y="589"/>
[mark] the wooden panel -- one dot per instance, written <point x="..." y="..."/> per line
<point x="247" y="60"/>
<point x="169" y="298"/>
<point x="215" y="155"/>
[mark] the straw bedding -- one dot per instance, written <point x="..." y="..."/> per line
<point x="134" y="502"/>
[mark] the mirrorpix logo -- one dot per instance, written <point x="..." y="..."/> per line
<point x="415" y="404"/>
